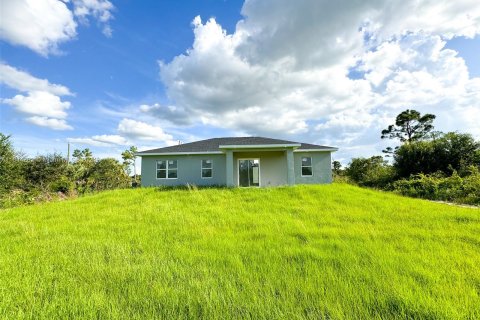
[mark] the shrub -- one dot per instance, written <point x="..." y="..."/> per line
<point x="452" y="188"/>
<point x="370" y="172"/>
<point x="109" y="174"/>
<point x="453" y="151"/>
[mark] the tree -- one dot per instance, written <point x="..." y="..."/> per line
<point x="337" y="167"/>
<point x="451" y="152"/>
<point x="370" y="172"/>
<point x="11" y="165"/>
<point x="129" y="157"/>
<point x="45" y="171"/>
<point x="107" y="174"/>
<point x="409" y="126"/>
<point x="83" y="163"/>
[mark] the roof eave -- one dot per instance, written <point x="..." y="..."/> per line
<point x="140" y="154"/>
<point x="259" y="146"/>
<point x="316" y="150"/>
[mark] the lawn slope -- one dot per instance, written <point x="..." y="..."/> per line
<point x="333" y="251"/>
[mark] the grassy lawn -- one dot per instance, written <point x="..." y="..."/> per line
<point x="334" y="251"/>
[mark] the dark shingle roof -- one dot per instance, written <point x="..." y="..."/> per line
<point x="212" y="145"/>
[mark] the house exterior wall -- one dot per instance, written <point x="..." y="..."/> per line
<point x="273" y="166"/>
<point x="189" y="170"/>
<point x="321" y="166"/>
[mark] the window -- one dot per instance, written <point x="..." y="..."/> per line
<point x="207" y="168"/>
<point x="307" y="167"/>
<point x="167" y="169"/>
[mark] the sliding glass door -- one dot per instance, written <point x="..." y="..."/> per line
<point x="249" y="173"/>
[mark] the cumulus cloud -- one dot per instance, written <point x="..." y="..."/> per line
<point x="42" y="100"/>
<point x="169" y="113"/>
<point x="113" y="139"/>
<point x="22" y="81"/>
<point x="104" y="140"/>
<point x="88" y="141"/>
<point x="40" y="103"/>
<point x="51" y="123"/>
<point x="42" y="25"/>
<point x="143" y="131"/>
<point x="285" y="71"/>
<point x="130" y="132"/>
<point x="37" y="24"/>
<point x="101" y="10"/>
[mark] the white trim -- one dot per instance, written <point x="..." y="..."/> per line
<point x="259" y="175"/>
<point x="302" y="166"/>
<point x="176" y="153"/>
<point x="250" y="146"/>
<point x="202" y="168"/>
<point x="140" y="154"/>
<point x="315" y="150"/>
<point x="166" y="169"/>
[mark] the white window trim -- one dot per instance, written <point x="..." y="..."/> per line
<point x="202" y="168"/>
<point x="259" y="172"/>
<point x="302" y="166"/>
<point x="166" y="170"/>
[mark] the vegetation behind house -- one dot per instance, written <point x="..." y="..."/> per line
<point x="427" y="164"/>
<point x="26" y="180"/>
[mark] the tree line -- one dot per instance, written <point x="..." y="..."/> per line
<point x="25" y="180"/>
<point x="427" y="164"/>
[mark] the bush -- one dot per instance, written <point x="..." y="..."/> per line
<point x="452" y="188"/>
<point x="49" y="177"/>
<point x="109" y="174"/>
<point x="453" y="151"/>
<point x="63" y="185"/>
<point x="370" y="172"/>
<point x="44" y="171"/>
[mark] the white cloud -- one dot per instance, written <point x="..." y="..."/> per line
<point x="285" y="69"/>
<point x="99" y="9"/>
<point x="88" y="141"/>
<point x="130" y="132"/>
<point x="104" y="140"/>
<point x="42" y="25"/>
<point x="22" y="81"/>
<point x="113" y="139"/>
<point x="40" y="103"/>
<point x="42" y="100"/>
<point x="55" y="124"/>
<point x="143" y="131"/>
<point x="37" y="24"/>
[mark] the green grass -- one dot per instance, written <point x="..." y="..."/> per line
<point x="333" y="251"/>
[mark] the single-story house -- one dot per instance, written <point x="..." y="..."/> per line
<point x="237" y="161"/>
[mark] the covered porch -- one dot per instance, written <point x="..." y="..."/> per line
<point x="259" y="166"/>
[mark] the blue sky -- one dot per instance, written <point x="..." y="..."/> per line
<point x="109" y="74"/>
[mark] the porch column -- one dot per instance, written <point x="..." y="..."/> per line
<point x="290" y="167"/>
<point x="229" y="168"/>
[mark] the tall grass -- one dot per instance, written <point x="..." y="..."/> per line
<point x="333" y="251"/>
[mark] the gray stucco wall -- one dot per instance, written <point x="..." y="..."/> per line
<point x="321" y="165"/>
<point x="189" y="170"/>
<point x="273" y="167"/>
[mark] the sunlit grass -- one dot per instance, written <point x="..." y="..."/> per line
<point x="333" y="251"/>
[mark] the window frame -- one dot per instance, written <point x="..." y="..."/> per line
<point x="202" y="168"/>
<point x="302" y="166"/>
<point x="167" y="169"/>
